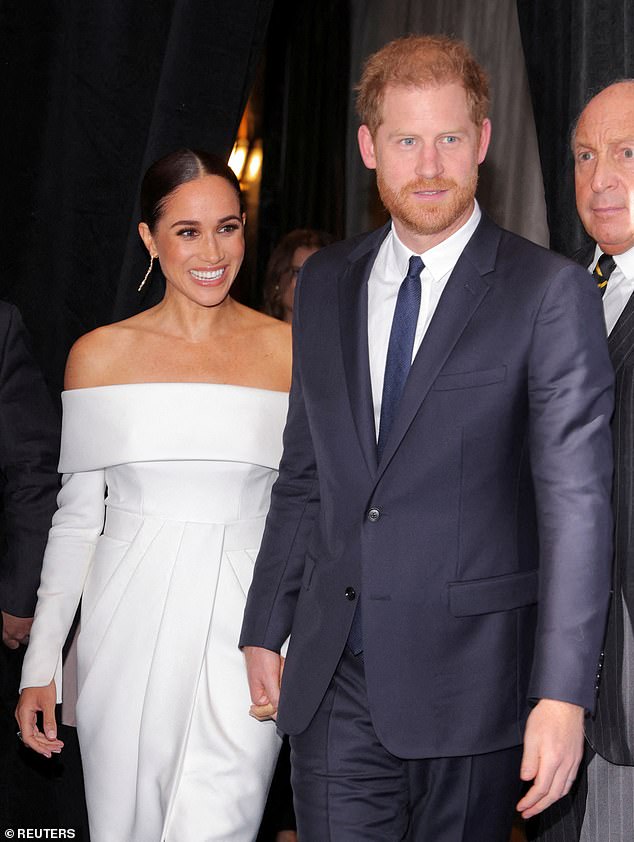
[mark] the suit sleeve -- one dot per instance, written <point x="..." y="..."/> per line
<point x="29" y="447"/>
<point x="571" y="402"/>
<point x="294" y="503"/>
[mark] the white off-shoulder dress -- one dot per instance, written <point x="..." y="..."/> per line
<point x="162" y="570"/>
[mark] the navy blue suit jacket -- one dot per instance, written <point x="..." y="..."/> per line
<point x="484" y="579"/>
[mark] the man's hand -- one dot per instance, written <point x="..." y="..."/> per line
<point x="15" y="630"/>
<point x="553" y="747"/>
<point x="264" y="671"/>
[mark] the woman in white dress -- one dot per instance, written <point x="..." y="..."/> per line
<point x="175" y="416"/>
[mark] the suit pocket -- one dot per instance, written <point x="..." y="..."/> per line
<point x="497" y="593"/>
<point x="469" y="379"/>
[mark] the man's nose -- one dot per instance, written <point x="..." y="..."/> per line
<point x="604" y="175"/>
<point x="428" y="162"/>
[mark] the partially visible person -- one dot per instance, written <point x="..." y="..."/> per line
<point x="29" y="445"/>
<point x="287" y="258"/>
<point x="600" y="808"/>
<point x="177" y="414"/>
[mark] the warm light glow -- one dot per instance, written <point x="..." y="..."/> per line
<point x="238" y="157"/>
<point x="254" y="162"/>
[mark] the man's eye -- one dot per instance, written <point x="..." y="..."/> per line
<point x="407" y="141"/>
<point x="450" y="138"/>
<point x="628" y="152"/>
<point x="584" y="156"/>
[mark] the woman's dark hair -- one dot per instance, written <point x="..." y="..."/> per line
<point x="177" y="168"/>
<point x="278" y="269"/>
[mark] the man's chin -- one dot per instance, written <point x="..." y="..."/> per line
<point x="611" y="240"/>
<point x="432" y="221"/>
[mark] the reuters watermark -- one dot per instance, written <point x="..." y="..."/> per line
<point x="40" y="833"/>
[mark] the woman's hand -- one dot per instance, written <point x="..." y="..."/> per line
<point x="34" y="700"/>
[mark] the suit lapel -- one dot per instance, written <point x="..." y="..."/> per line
<point x="353" y="327"/>
<point x="621" y="339"/>
<point x="461" y="297"/>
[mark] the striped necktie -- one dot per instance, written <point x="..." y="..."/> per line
<point x="604" y="267"/>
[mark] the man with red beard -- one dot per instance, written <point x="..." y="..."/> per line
<point x="438" y="544"/>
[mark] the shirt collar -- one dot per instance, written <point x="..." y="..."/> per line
<point x="440" y="259"/>
<point x="625" y="261"/>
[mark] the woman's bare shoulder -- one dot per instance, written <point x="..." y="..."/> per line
<point x="280" y="331"/>
<point x="95" y="355"/>
<point x="270" y="329"/>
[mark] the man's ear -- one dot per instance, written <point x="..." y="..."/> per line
<point x="485" y="139"/>
<point x="366" y="147"/>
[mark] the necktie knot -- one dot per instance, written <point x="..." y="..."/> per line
<point x="416" y="266"/>
<point x="604" y="267"/>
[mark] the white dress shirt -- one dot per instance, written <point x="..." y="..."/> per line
<point x="619" y="288"/>
<point x="389" y="270"/>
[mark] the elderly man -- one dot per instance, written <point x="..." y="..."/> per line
<point x="439" y="539"/>
<point x="600" y="807"/>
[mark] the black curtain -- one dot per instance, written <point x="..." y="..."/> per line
<point x="92" y="91"/>
<point x="572" y="49"/>
<point x="306" y="93"/>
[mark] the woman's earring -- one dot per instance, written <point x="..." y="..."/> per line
<point x="147" y="274"/>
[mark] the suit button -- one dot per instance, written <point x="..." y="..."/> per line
<point x="350" y="594"/>
<point x="373" y="515"/>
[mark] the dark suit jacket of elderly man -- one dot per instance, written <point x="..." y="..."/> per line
<point x="611" y="730"/>
<point x="29" y="446"/>
<point x="480" y="544"/>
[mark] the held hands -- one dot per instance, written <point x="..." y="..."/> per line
<point x="15" y="630"/>
<point x="264" y="670"/>
<point x="32" y="701"/>
<point x="553" y="747"/>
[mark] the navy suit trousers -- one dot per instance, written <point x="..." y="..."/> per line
<point x="349" y="788"/>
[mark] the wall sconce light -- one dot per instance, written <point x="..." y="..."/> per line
<point x="238" y="157"/>
<point x="253" y="166"/>
<point x="246" y="160"/>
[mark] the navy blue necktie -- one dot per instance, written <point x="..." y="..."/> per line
<point x="399" y="350"/>
<point x="397" y="366"/>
